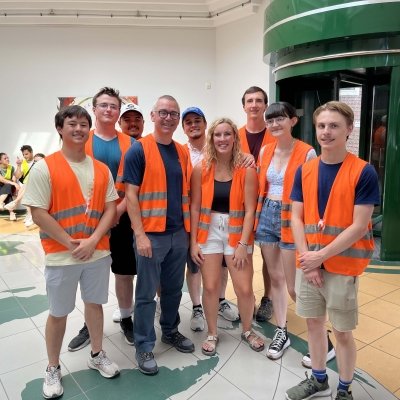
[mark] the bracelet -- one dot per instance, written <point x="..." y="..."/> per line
<point x="242" y="244"/>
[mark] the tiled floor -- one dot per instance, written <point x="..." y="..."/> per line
<point x="235" y="372"/>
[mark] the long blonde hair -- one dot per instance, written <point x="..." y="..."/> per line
<point x="210" y="153"/>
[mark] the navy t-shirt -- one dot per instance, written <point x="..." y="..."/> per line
<point x="135" y="163"/>
<point x="367" y="188"/>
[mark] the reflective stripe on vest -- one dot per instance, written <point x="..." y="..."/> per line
<point x="337" y="217"/>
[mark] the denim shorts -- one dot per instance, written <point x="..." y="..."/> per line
<point x="269" y="225"/>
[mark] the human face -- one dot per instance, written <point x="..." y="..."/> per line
<point x="332" y="130"/>
<point x="194" y="126"/>
<point x="5" y="160"/>
<point x="132" y="124"/>
<point x="224" y="138"/>
<point x="165" y="126"/>
<point x="254" y="105"/>
<point x="27" y="155"/>
<point x="106" y="110"/>
<point x="281" y="126"/>
<point x="75" y="131"/>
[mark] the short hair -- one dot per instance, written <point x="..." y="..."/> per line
<point x="41" y="155"/>
<point x="210" y="153"/>
<point x="165" y="97"/>
<point x="70" y="112"/>
<point x="26" y="147"/>
<point x="280" y="109"/>
<point x="336" y="106"/>
<point x="109" y="92"/>
<point x="2" y="154"/>
<point x="255" y="89"/>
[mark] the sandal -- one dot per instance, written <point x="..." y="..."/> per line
<point x="252" y="339"/>
<point x="212" y="345"/>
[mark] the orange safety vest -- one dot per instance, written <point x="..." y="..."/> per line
<point x="153" y="190"/>
<point x="337" y="217"/>
<point x="268" y="138"/>
<point x="68" y="206"/>
<point x="297" y="158"/>
<point x="124" y="142"/>
<point x="236" y="205"/>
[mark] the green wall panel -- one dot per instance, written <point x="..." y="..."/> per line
<point x="344" y="22"/>
<point x="391" y="197"/>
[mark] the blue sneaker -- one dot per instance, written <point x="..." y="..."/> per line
<point x="146" y="363"/>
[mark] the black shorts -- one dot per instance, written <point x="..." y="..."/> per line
<point x="121" y="246"/>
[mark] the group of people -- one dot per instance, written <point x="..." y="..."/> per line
<point x="12" y="181"/>
<point x="203" y="205"/>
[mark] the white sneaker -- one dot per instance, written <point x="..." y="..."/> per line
<point x="103" y="364"/>
<point x="28" y="221"/>
<point x="10" y="206"/>
<point x="227" y="312"/>
<point x="197" y="320"/>
<point x="116" y="317"/>
<point x="158" y="305"/>
<point x="52" y="386"/>
<point x="13" y="216"/>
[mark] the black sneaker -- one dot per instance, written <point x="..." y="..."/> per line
<point x="126" y="325"/>
<point x="81" y="340"/>
<point x="306" y="360"/>
<point x="279" y="344"/>
<point x="264" y="312"/>
<point x="180" y="342"/>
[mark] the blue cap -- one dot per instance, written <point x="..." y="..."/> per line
<point x="193" y="110"/>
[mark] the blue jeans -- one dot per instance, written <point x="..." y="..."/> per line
<point x="166" y="268"/>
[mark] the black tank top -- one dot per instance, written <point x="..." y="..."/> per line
<point x="222" y="191"/>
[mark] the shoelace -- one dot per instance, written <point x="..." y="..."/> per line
<point x="102" y="359"/>
<point x="278" y="340"/>
<point x="309" y="385"/>
<point x="197" y="313"/>
<point x="84" y="330"/>
<point x="177" y="338"/>
<point x="146" y="356"/>
<point x="52" y="376"/>
<point x="224" y="306"/>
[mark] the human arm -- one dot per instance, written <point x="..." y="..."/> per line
<point x="250" y="204"/>
<point x="85" y="247"/>
<point x="195" y="203"/>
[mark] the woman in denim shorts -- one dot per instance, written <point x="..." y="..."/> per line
<point x="278" y="164"/>
<point x="223" y="203"/>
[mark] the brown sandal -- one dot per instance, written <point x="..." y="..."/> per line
<point x="252" y="339"/>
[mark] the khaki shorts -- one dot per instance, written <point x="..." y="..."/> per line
<point x="337" y="297"/>
<point x="62" y="283"/>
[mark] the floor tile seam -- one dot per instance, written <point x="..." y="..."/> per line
<point x="203" y="386"/>
<point x="378" y="320"/>
<point x="233" y="384"/>
<point x="4" y="389"/>
<point x="383" y="351"/>
<point x="22" y="367"/>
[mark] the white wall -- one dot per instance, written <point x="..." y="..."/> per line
<point x="40" y="64"/>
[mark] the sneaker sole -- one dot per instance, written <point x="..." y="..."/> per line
<point x="280" y="354"/>
<point x="306" y="362"/>
<point x="143" y="371"/>
<point x="322" y="393"/>
<point x="55" y="396"/>
<point x="84" y="344"/>
<point x="228" y="319"/>
<point x="102" y="373"/>
<point x="191" y="350"/>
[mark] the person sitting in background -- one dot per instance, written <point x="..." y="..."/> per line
<point x="9" y="185"/>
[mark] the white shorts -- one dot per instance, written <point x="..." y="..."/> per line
<point x="217" y="239"/>
<point x="62" y="283"/>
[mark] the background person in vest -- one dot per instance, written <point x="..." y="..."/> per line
<point x="253" y="136"/>
<point x="222" y="210"/>
<point x="8" y="185"/>
<point x="194" y="125"/>
<point x="72" y="198"/>
<point x="278" y="164"/>
<point x="333" y="200"/>
<point x="109" y="146"/>
<point x="158" y="206"/>
<point x="131" y="123"/>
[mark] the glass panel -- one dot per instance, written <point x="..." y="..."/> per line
<point x="378" y="132"/>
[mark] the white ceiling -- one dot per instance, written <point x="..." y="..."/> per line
<point x="162" y="13"/>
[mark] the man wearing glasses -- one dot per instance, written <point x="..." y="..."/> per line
<point x="157" y="201"/>
<point x="109" y="146"/>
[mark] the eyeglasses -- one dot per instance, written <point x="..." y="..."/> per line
<point x="104" y="106"/>
<point x="278" y="120"/>
<point x="164" y="114"/>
